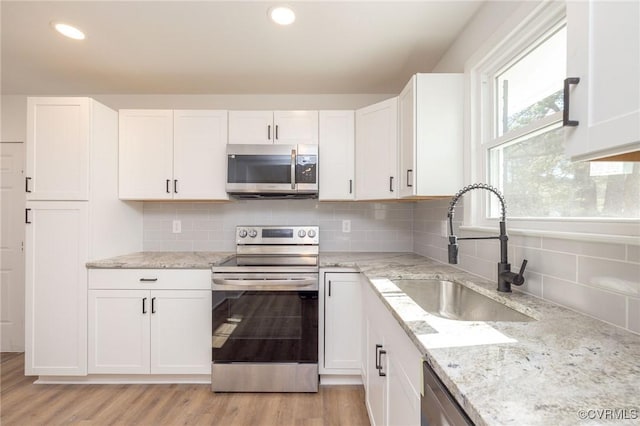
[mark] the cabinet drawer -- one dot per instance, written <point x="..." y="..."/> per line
<point x="150" y="279"/>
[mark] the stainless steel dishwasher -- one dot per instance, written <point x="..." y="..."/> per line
<point x="437" y="406"/>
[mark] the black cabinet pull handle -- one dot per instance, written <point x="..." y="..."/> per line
<point x="565" y="110"/>
<point x="276" y="132"/>
<point x="148" y="280"/>
<point x="26" y="184"/>
<point x="153" y="305"/>
<point x="329" y="288"/>
<point x="144" y="305"/>
<point x="168" y="181"/>
<point x="409" y="183"/>
<point x="26" y="215"/>
<point x="269" y="132"/>
<point x="175" y="186"/>
<point x="378" y="366"/>
<point x="380" y="372"/>
<point x="350" y="186"/>
<point x="390" y="183"/>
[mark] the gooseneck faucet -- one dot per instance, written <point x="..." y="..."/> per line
<point x="505" y="276"/>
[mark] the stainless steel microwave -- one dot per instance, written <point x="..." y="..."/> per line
<point x="272" y="171"/>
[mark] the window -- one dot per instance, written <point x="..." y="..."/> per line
<point x="519" y="141"/>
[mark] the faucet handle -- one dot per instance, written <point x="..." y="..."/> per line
<point x="519" y="279"/>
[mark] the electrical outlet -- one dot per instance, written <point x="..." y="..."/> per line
<point x="443" y="228"/>
<point x="346" y="226"/>
<point x="177" y="226"/>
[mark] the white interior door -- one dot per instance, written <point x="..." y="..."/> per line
<point x="11" y="247"/>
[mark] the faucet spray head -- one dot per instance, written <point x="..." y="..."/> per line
<point x="453" y="249"/>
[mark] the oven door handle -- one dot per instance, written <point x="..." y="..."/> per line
<point x="269" y="283"/>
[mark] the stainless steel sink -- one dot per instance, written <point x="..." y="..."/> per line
<point x="454" y="301"/>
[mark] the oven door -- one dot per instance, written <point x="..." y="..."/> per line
<point x="265" y="333"/>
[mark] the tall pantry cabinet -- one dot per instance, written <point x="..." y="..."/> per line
<point x="72" y="215"/>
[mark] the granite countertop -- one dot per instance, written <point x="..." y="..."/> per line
<point x="162" y="260"/>
<point x="546" y="372"/>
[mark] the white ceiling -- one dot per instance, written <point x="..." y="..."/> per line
<point x="222" y="47"/>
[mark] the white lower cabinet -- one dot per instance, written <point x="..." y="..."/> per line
<point x="146" y="331"/>
<point x="119" y="331"/>
<point x="342" y="323"/>
<point x="393" y="367"/>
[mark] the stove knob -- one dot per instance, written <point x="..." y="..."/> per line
<point x="301" y="233"/>
<point x="242" y="233"/>
<point x="253" y="233"/>
<point x="311" y="233"/>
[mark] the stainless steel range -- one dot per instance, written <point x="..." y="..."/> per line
<point x="265" y="312"/>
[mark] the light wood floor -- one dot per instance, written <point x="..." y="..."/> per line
<point x="23" y="403"/>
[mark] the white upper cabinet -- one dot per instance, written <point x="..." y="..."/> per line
<point x="603" y="51"/>
<point x="268" y="127"/>
<point x="199" y="155"/>
<point x="166" y="154"/>
<point x="295" y="127"/>
<point x="376" y="151"/>
<point x="337" y="149"/>
<point x="430" y="126"/>
<point x="146" y="154"/>
<point x="251" y="127"/>
<point x="58" y="138"/>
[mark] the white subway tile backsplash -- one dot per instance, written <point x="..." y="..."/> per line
<point x="612" y="275"/>
<point x="634" y="314"/>
<point x="601" y="304"/>
<point x="633" y="253"/>
<point x="559" y="265"/>
<point x="532" y="283"/>
<point x="375" y="226"/>
<point x="609" y="251"/>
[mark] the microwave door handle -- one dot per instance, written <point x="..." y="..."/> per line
<point x="293" y="169"/>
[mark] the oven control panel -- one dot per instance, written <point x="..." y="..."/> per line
<point x="290" y="235"/>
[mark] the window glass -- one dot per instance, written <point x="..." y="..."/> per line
<point x="538" y="180"/>
<point x="531" y="88"/>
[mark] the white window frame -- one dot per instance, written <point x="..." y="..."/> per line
<point x="524" y="28"/>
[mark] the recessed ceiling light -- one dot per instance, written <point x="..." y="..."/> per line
<point x="282" y="15"/>
<point x="68" y="31"/>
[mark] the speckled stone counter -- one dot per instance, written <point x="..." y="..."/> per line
<point x="162" y="260"/>
<point x="546" y="372"/>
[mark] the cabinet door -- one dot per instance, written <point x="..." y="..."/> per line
<point x="56" y="288"/>
<point x="376" y="151"/>
<point x="295" y="127"/>
<point x="146" y="154"/>
<point x="404" y="402"/>
<point x="342" y="298"/>
<point x="199" y="155"/>
<point x="119" y="331"/>
<point x="337" y="148"/>
<point x="376" y="384"/>
<point x="407" y="138"/>
<point x="181" y="332"/>
<point x="603" y="50"/>
<point x="251" y="127"/>
<point x="58" y="134"/>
